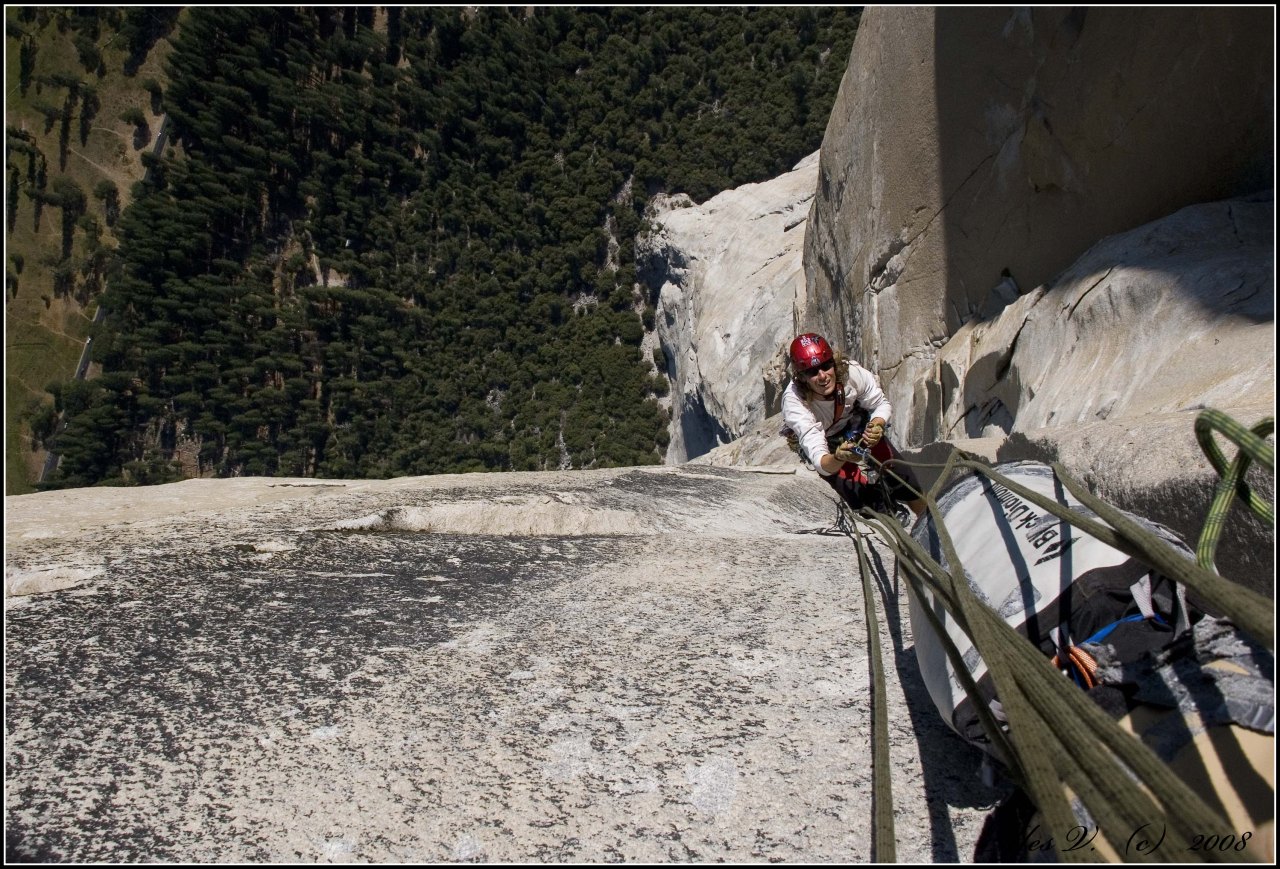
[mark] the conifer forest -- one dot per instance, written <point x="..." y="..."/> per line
<point x="399" y="241"/>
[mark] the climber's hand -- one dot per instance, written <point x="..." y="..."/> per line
<point x="844" y="453"/>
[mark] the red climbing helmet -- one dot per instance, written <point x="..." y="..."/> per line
<point x="810" y="350"/>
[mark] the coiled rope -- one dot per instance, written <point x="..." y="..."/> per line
<point x="1253" y="448"/>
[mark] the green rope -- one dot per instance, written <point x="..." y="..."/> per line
<point x="1099" y="749"/>
<point x="1253" y="448"/>
<point x="1057" y="732"/>
<point x="1029" y="733"/>
<point x="1250" y="611"/>
<point x="1058" y="735"/>
<point x="1251" y="442"/>
<point x="883" y="839"/>
<point x="916" y="565"/>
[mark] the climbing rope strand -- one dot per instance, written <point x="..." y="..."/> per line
<point x="1109" y="827"/>
<point x="907" y="549"/>
<point x="915" y="565"/>
<point x="883" y="841"/>
<point x="1085" y="728"/>
<point x="1028" y="732"/>
<point x="1250" y="611"/>
<point x="1219" y="508"/>
<point x="1058" y="742"/>
<point x="1033" y="694"/>
<point x="1246" y="608"/>
<point x="1031" y="768"/>
<point x="1251" y="441"/>
<point x="1252" y="448"/>
<point x="994" y="732"/>
<point x="1042" y="709"/>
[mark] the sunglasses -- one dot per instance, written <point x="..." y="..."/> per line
<point x="813" y="372"/>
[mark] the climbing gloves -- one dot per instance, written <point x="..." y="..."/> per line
<point x="844" y="452"/>
<point x="871" y="436"/>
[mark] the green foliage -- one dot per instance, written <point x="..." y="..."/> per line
<point x="106" y="192"/>
<point x="141" y="27"/>
<point x="153" y="87"/>
<point x="87" y="49"/>
<point x="141" y="128"/>
<point x="89" y="105"/>
<point x="65" y="68"/>
<point x="26" y="63"/>
<point x="14" y="187"/>
<point x="43" y="422"/>
<point x="385" y="251"/>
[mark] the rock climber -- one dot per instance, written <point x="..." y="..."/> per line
<point x="831" y="404"/>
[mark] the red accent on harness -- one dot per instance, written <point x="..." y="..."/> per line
<point x="850" y="471"/>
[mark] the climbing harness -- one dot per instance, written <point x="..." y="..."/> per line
<point x="833" y="441"/>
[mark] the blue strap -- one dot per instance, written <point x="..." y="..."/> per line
<point x="1105" y="632"/>
<point x="1102" y="634"/>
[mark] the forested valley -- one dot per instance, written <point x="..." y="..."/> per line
<point x="390" y="241"/>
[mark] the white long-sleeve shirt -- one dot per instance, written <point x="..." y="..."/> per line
<point x="813" y="420"/>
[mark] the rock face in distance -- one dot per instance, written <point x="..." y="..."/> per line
<point x="1106" y="368"/>
<point x="727" y="274"/>
<point x="974" y="150"/>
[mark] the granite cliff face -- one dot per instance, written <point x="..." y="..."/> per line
<point x="656" y="665"/>
<point x="1042" y="229"/>
<point x="974" y="154"/>
<point x="727" y="275"/>
<point x="978" y="159"/>
<point x="1175" y="314"/>
<point x="668" y="664"/>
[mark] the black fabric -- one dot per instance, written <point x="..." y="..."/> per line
<point x="906" y="490"/>
<point x="1097" y="598"/>
<point x="1005" y="836"/>
<point x="1100" y="597"/>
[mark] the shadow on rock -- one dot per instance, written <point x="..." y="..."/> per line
<point x="952" y="768"/>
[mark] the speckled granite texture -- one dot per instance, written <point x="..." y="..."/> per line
<point x="658" y="665"/>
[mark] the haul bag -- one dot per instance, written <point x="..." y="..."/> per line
<point x="1050" y="581"/>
